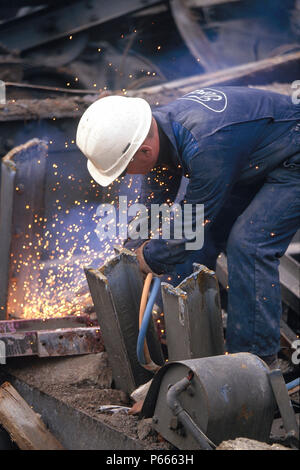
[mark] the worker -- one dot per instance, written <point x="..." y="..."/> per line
<point x="239" y="148"/>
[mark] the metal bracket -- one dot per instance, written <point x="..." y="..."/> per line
<point x="285" y="406"/>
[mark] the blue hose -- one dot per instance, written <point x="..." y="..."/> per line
<point x="293" y="384"/>
<point x="146" y="319"/>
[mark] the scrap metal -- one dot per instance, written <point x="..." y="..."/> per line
<point x="64" y="19"/>
<point x="75" y="429"/>
<point x="194" y="37"/>
<point x="192" y="312"/>
<point x="260" y="73"/>
<point x="116" y="290"/>
<point x="289" y="270"/>
<point x="21" y="217"/>
<point x="285" y="407"/>
<point x="289" y="273"/>
<point x="51" y="337"/>
<point x="21" y="234"/>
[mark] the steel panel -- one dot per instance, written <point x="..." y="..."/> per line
<point x="193" y="316"/>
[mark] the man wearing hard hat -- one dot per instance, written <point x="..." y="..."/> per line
<point x="240" y="150"/>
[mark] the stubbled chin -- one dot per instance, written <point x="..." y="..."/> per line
<point x="136" y="172"/>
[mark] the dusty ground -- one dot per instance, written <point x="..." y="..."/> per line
<point x="85" y="383"/>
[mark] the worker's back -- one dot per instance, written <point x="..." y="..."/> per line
<point x="225" y="121"/>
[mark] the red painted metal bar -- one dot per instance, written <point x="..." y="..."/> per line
<point x="51" y="337"/>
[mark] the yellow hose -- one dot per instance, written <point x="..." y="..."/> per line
<point x="150" y="365"/>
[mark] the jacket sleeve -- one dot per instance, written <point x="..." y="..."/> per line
<point x="213" y="172"/>
<point x="158" y="187"/>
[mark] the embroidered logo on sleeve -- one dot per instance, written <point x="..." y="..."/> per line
<point x="214" y="100"/>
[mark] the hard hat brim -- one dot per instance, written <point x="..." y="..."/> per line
<point x="99" y="177"/>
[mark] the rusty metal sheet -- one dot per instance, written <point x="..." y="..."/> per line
<point x="193" y="316"/>
<point x="6" y="209"/>
<point x="51" y="337"/>
<point x="66" y="342"/>
<point x="34" y="324"/>
<point x="19" y="344"/>
<point x="21" y="223"/>
<point x="126" y="285"/>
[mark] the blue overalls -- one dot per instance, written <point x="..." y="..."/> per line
<point x="240" y="149"/>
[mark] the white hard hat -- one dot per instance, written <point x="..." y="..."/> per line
<point x="109" y="133"/>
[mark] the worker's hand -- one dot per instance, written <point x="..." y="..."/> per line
<point x="144" y="267"/>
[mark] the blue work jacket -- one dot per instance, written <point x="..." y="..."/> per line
<point x="219" y="137"/>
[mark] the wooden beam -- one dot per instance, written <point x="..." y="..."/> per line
<point x="24" y="426"/>
<point x="283" y="68"/>
<point x="49" y="108"/>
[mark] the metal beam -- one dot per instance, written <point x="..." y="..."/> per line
<point x="21" y="221"/>
<point x="194" y="37"/>
<point x="51" y="337"/>
<point x="281" y="68"/>
<point x="116" y="291"/>
<point x="6" y="210"/>
<point x="284" y="404"/>
<point x="193" y="317"/>
<point x="207" y="3"/>
<point x="65" y="19"/>
<point x="75" y="429"/>
<point x="289" y="274"/>
<point x="287" y="337"/>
